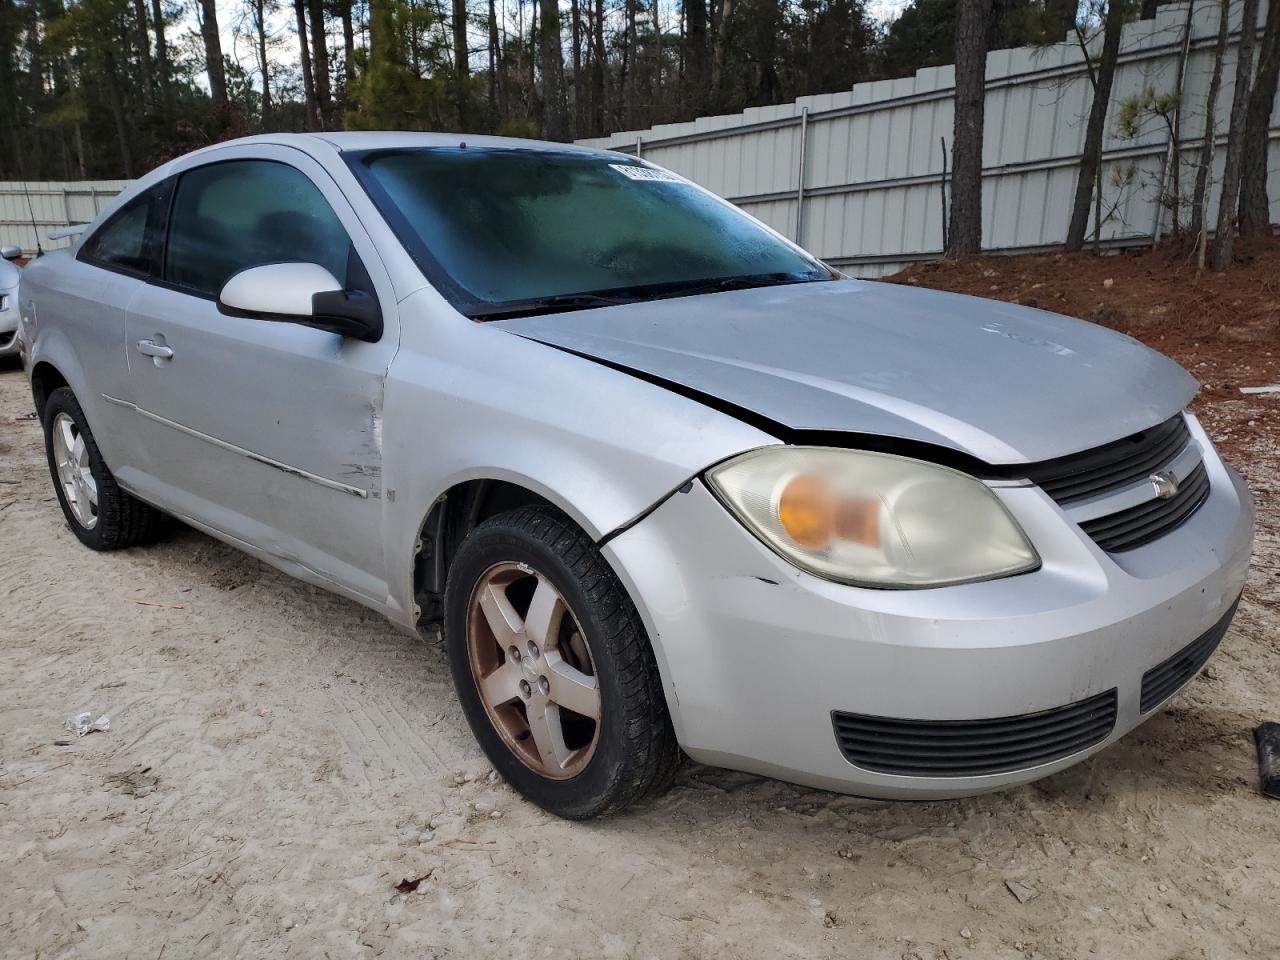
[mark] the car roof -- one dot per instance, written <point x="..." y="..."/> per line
<point x="347" y="141"/>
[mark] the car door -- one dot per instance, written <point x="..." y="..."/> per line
<point x="262" y="430"/>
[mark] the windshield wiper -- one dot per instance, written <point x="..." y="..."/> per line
<point x="537" y="305"/>
<point x="747" y="282"/>
<point x="561" y="303"/>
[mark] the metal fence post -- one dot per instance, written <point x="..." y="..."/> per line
<point x="804" y="139"/>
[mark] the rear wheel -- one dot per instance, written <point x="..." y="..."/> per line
<point x="554" y="668"/>
<point x="99" y="513"/>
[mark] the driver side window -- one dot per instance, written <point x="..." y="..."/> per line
<point x="230" y="216"/>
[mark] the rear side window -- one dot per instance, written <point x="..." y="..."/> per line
<point x="130" y="241"/>
<point x="230" y="216"/>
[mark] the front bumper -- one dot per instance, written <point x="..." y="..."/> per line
<point x="757" y="655"/>
<point x="9" y="323"/>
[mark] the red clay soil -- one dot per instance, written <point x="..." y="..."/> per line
<point x="1223" y="327"/>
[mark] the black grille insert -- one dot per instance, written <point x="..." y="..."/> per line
<point x="973" y="748"/>
<point x="1147" y="521"/>
<point x="1111" y="466"/>
<point x="1163" y="680"/>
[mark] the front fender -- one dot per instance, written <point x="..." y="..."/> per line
<point x="471" y="401"/>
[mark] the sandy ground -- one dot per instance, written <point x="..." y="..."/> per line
<point x="279" y="760"/>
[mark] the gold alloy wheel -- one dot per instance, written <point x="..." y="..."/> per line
<point x="533" y="670"/>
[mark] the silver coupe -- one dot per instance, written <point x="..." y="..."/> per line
<point x="666" y="481"/>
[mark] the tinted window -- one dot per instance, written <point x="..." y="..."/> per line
<point x="502" y="226"/>
<point x="130" y="240"/>
<point x="231" y="216"/>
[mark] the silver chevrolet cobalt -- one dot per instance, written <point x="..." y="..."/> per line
<point x="667" y="481"/>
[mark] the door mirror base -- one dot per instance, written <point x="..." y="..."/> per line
<point x="302" y="293"/>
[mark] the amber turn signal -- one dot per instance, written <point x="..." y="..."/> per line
<point x="807" y="511"/>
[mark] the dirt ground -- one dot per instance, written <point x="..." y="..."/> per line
<point x="280" y="762"/>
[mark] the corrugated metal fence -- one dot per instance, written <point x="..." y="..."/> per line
<point x="51" y="205"/>
<point x="856" y="176"/>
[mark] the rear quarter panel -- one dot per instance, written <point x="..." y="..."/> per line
<point x="76" y="314"/>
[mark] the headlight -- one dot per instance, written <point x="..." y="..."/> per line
<point x="873" y="519"/>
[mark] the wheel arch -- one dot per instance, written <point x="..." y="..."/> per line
<point x="45" y="378"/>
<point x="455" y="513"/>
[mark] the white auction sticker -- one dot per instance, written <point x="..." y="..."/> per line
<point x="633" y="172"/>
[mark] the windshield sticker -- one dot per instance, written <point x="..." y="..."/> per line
<point x="633" y="172"/>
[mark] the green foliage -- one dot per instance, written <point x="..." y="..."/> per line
<point x="1135" y="111"/>
<point x="85" y="92"/>
<point x="403" y="81"/>
<point x="924" y="35"/>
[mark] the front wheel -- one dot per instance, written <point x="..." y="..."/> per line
<point x="554" y="668"/>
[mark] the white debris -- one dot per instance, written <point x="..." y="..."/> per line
<point x="1273" y="388"/>
<point x="83" y="723"/>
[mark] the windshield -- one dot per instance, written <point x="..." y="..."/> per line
<point x="507" y="232"/>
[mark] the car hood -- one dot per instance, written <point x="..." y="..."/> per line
<point x="1003" y="383"/>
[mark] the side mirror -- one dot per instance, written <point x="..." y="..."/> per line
<point x="304" y="293"/>
<point x="11" y="252"/>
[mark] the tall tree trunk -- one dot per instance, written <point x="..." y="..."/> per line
<point x="115" y="103"/>
<point x="695" y="12"/>
<point x="213" y="53"/>
<point x="965" y="235"/>
<point x="461" y="58"/>
<point x="627" y="79"/>
<point x="1255" y="206"/>
<point x="722" y="37"/>
<point x="655" y="11"/>
<point x="495" y="52"/>
<point x="348" y="47"/>
<point x="555" y="123"/>
<point x="77" y="136"/>
<point x="597" y="73"/>
<point x="1091" y="158"/>
<point x="1175" y="205"/>
<point x="304" y="57"/>
<point x="575" y="31"/>
<point x="320" y="54"/>
<point x="1200" y="197"/>
<point x="1224" y="237"/>
<point x="144" y="47"/>
<point x="163" y="68"/>
<point x="260" y="26"/>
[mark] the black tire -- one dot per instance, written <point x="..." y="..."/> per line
<point x="122" y="520"/>
<point x="636" y="754"/>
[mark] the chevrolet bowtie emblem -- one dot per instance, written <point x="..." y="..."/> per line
<point x="1165" y="483"/>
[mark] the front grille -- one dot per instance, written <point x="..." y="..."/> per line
<point x="973" y="748"/>
<point x="1111" y="466"/>
<point x="1163" y="680"/>
<point x="1148" y="521"/>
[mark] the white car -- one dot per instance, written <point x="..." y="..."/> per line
<point x="10" y="275"/>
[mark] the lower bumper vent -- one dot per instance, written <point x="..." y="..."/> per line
<point x="1164" y="679"/>
<point x="973" y="748"/>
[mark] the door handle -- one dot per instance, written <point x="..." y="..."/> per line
<point x="149" y="348"/>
